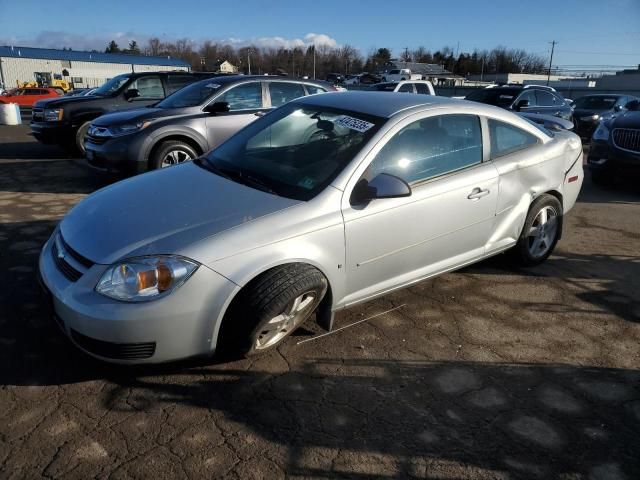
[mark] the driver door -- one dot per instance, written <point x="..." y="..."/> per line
<point x="445" y="222"/>
<point x="246" y="104"/>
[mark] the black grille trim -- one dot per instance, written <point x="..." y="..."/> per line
<point x="84" y="261"/>
<point x="66" y="269"/>
<point x="627" y="139"/>
<point x="96" y="140"/>
<point x="116" y="351"/>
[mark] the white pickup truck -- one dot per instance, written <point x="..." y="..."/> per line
<point x="398" y="75"/>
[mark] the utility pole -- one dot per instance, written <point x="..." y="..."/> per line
<point x="482" y="70"/>
<point x="553" y="46"/>
<point x="249" y="60"/>
<point x="406" y="54"/>
<point x="314" y="61"/>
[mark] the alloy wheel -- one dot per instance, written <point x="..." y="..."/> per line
<point x="543" y="231"/>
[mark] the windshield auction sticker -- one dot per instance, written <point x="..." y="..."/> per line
<point x="353" y="123"/>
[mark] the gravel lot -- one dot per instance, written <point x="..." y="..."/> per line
<point x="489" y="372"/>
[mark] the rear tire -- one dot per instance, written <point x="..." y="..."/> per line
<point x="541" y="231"/>
<point x="172" y="153"/>
<point x="270" y="308"/>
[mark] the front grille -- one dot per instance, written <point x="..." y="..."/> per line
<point x="117" y="351"/>
<point x="96" y="140"/>
<point x="37" y="114"/>
<point x="627" y="139"/>
<point x="61" y="252"/>
<point x="67" y="270"/>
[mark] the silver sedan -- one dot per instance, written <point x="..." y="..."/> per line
<point x="326" y="202"/>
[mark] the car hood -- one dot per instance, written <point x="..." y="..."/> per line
<point x="162" y="212"/>
<point x="139" y="114"/>
<point x="63" y="101"/>
<point x="627" y="120"/>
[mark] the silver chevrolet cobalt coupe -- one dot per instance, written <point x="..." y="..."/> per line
<point x="326" y="202"/>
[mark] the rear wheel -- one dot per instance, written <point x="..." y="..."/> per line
<point x="270" y="308"/>
<point x="541" y="231"/>
<point x="172" y="153"/>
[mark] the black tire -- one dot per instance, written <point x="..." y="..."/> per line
<point x="523" y="249"/>
<point x="81" y="133"/>
<point x="264" y="299"/>
<point x="165" y="149"/>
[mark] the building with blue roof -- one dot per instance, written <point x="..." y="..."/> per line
<point x="82" y="69"/>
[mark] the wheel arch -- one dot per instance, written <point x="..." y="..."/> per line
<point x="324" y="310"/>
<point x="197" y="144"/>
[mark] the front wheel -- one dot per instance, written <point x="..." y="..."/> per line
<point x="81" y="135"/>
<point x="541" y="231"/>
<point x="270" y="308"/>
<point x="172" y="153"/>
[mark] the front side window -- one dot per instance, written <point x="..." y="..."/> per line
<point x="528" y="95"/>
<point x="295" y="151"/>
<point x="406" y="88"/>
<point x="429" y="148"/>
<point x="506" y="138"/>
<point x="247" y="96"/>
<point x="149" y="87"/>
<point x="283" y="92"/>
<point x="545" y="99"/>
<point x="192" y="95"/>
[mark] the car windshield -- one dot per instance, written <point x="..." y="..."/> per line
<point x="596" y="103"/>
<point x="191" y="96"/>
<point x="295" y="151"/>
<point x="493" y="96"/>
<point x="112" y="86"/>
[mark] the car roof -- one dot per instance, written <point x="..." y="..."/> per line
<point x="379" y="104"/>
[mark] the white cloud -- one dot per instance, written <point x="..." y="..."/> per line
<point x="99" y="41"/>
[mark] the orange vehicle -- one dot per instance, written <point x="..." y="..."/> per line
<point x="26" y="97"/>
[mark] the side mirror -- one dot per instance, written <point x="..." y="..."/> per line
<point x="633" y="105"/>
<point x="521" y="104"/>
<point x="217" y="107"/>
<point x="381" y="186"/>
<point x="617" y="108"/>
<point x="131" y="94"/>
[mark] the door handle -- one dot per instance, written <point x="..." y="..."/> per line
<point x="478" y="193"/>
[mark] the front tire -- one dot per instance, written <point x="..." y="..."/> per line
<point x="81" y="134"/>
<point x="541" y="231"/>
<point x="270" y="308"/>
<point x="172" y="153"/>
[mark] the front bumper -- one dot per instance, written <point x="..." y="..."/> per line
<point x="53" y="132"/>
<point x="116" y="154"/>
<point x="180" y="325"/>
<point x="605" y="157"/>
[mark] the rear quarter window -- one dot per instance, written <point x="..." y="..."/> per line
<point x="507" y="138"/>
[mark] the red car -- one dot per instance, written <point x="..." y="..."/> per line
<point x="26" y="97"/>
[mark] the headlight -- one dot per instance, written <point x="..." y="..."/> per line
<point x="53" y="114"/>
<point x="145" y="278"/>
<point x="117" y="130"/>
<point x="601" y="133"/>
<point x="590" y="118"/>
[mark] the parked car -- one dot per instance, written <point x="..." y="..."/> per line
<point x="326" y="202"/>
<point x="80" y="92"/>
<point x="188" y="123"/>
<point x="524" y="98"/>
<point x="362" y="79"/>
<point x="26" y="97"/>
<point x="615" y="145"/>
<point x="335" y="78"/>
<point x="588" y="111"/>
<point x="406" y="86"/>
<point x="65" y="120"/>
<point x="397" y="75"/>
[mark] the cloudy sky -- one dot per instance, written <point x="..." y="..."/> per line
<point x="589" y="32"/>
